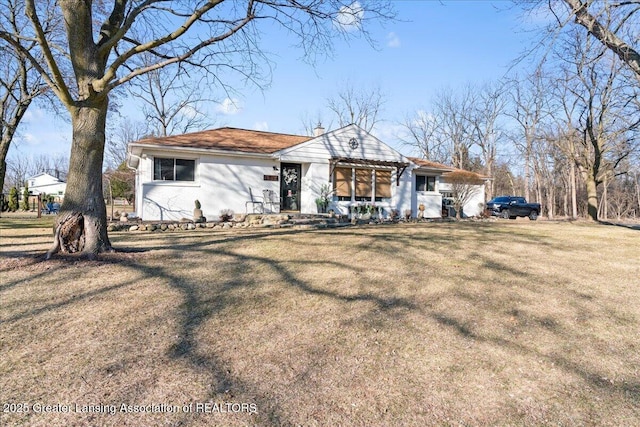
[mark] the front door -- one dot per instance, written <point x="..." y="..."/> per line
<point x="290" y="186"/>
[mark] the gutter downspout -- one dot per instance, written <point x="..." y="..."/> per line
<point x="130" y="154"/>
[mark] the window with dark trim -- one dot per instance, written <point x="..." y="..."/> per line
<point x="165" y="169"/>
<point x="425" y="183"/>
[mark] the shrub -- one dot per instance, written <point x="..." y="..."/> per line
<point x="198" y="206"/>
<point x="226" y="215"/>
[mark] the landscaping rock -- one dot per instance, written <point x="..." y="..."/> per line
<point x="134" y="228"/>
<point x="239" y="217"/>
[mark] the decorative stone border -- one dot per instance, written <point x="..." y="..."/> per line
<point x="258" y="221"/>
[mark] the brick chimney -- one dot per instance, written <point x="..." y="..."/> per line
<point x="319" y="130"/>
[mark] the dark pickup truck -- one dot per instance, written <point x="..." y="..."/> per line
<point x="511" y="207"/>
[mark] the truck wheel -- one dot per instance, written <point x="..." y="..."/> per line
<point x="533" y="215"/>
<point x="505" y="214"/>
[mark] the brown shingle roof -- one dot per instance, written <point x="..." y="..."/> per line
<point x="430" y="164"/>
<point x="229" y="139"/>
<point x="447" y="169"/>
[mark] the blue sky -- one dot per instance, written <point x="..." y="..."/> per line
<point x="432" y="45"/>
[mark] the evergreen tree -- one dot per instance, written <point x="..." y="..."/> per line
<point x="25" y="198"/>
<point x="13" y="199"/>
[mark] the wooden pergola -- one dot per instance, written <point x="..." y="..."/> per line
<point x="347" y="161"/>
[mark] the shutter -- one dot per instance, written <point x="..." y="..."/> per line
<point x="363" y="183"/>
<point x="343" y="182"/>
<point x="383" y="184"/>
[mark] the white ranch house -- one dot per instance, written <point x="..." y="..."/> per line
<point x="254" y="171"/>
<point x="44" y="183"/>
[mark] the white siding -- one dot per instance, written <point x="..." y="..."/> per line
<point x="314" y="156"/>
<point x="220" y="183"/>
<point x="336" y="144"/>
<point x="432" y="200"/>
<point x="475" y="205"/>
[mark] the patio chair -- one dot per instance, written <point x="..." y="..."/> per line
<point x="271" y="201"/>
<point x="253" y="202"/>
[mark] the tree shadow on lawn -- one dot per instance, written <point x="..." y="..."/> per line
<point x="627" y="390"/>
<point x="197" y="308"/>
<point x="196" y="311"/>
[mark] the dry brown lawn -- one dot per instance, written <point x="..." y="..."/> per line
<point x="488" y="323"/>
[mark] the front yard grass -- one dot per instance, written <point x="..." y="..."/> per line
<point x="488" y="323"/>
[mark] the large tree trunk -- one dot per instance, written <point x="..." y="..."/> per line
<point x="82" y="222"/>
<point x="4" y="149"/>
<point x="574" y="192"/>
<point x="592" y="197"/>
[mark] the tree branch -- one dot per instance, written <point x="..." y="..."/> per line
<point x="56" y="83"/>
<point x="606" y="37"/>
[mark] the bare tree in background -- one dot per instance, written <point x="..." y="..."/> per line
<point x="453" y="125"/>
<point x="529" y="107"/>
<point x="422" y="133"/>
<point x="598" y="104"/>
<point x="103" y="44"/>
<point x="21" y="167"/>
<point x="484" y="119"/>
<point x="20" y="83"/>
<point x="310" y="123"/>
<point x="124" y="132"/>
<point x="464" y="187"/>
<point x="615" y="24"/>
<point x="357" y="105"/>
<point x="55" y="165"/>
<point x="171" y="102"/>
<point x="18" y="170"/>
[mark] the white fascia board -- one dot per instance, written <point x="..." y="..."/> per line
<point x="138" y="150"/>
<point x="435" y="171"/>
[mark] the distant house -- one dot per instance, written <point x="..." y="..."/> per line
<point x="44" y="183"/>
<point x="248" y="171"/>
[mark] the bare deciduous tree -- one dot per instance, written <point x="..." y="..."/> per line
<point x="171" y="103"/>
<point x="103" y="44"/>
<point x="359" y="106"/>
<point x="597" y="100"/>
<point x="484" y="120"/>
<point x="529" y="107"/>
<point x="614" y="23"/>
<point x="464" y="187"/>
<point x="422" y="133"/>
<point x="451" y="110"/>
<point x="20" y="83"/>
<point x="443" y="132"/>
<point x="125" y="131"/>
